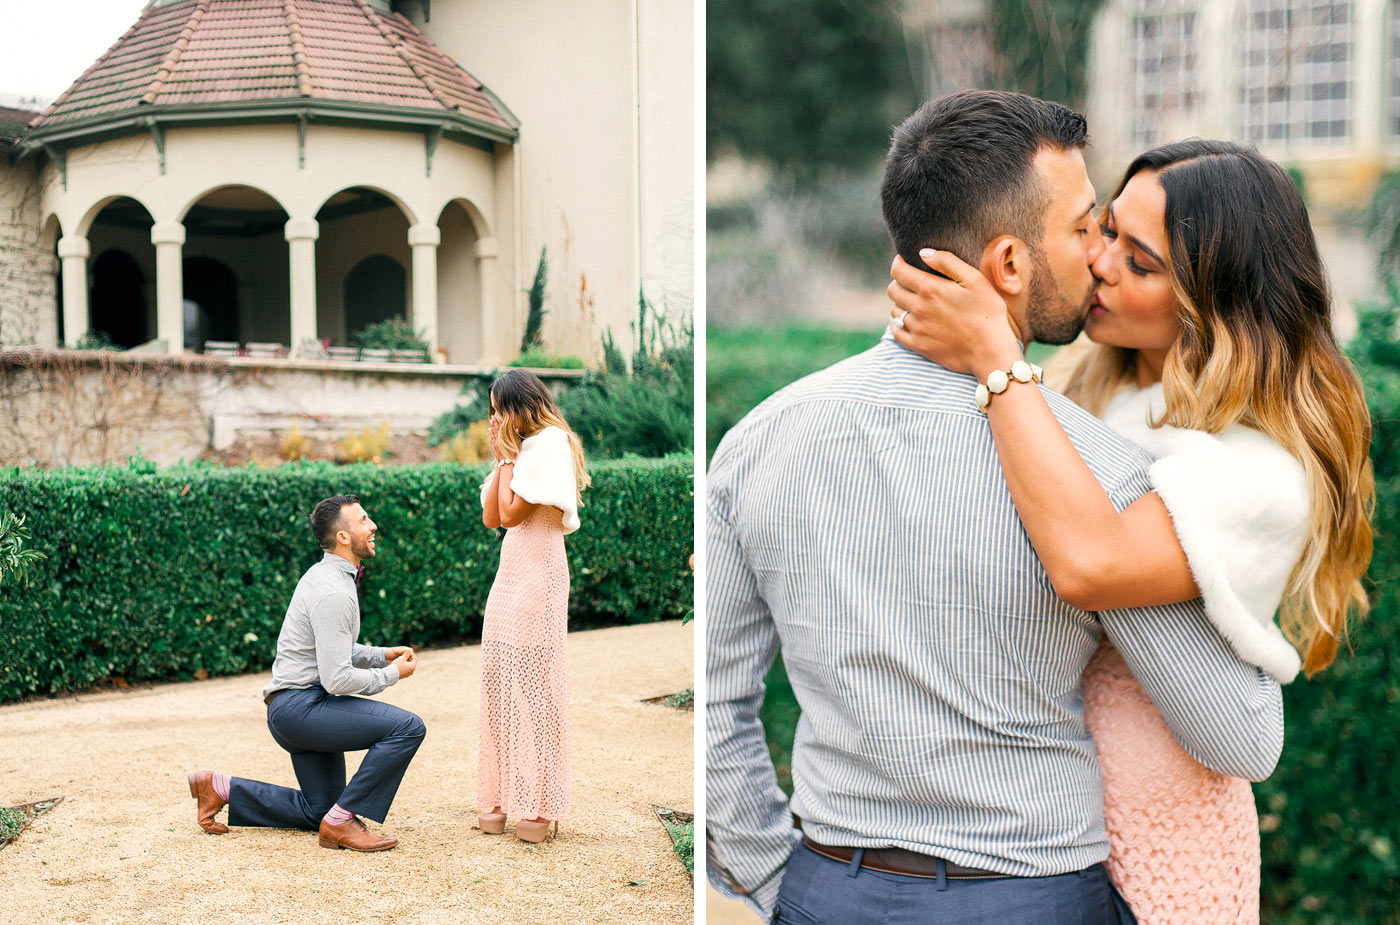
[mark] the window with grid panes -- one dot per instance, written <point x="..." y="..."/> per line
<point x="1296" y="78"/>
<point x="1166" y="77"/>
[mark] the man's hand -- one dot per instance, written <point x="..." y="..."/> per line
<point x="406" y="659"/>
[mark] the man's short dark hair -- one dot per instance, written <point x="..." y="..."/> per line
<point x="325" y="519"/>
<point x="959" y="171"/>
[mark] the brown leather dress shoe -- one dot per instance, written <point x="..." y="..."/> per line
<point x="352" y="834"/>
<point x="202" y="789"/>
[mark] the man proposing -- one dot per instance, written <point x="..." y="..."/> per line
<point x="311" y="714"/>
<point x="942" y="769"/>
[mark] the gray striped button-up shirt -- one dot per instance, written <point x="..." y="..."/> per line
<point x="859" y="519"/>
<point x="319" y="639"/>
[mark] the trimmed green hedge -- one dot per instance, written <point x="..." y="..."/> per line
<point x="186" y="571"/>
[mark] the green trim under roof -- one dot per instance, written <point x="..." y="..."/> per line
<point x="454" y="125"/>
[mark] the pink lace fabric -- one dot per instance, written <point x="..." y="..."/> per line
<point x="1184" y="840"/>
<point x="523" y="760"/>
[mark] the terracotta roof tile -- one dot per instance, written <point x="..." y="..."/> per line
<point x="235" y="51"/>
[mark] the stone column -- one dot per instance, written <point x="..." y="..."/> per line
<point x="169" y="239"/>
<point x="424" y="240"/>
<point x="494" y="316"/>
<point x="74" y="254"/>
<point x="301" y="251"/>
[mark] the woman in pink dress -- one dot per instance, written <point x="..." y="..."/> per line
<point x="533" y="491"/>
<point x="1213" y="351"/>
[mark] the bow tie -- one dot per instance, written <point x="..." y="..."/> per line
<point x="359" y="573"/>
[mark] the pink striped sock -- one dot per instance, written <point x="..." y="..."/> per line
<point x="338" y="815"/>
<point x="220" y="783"/>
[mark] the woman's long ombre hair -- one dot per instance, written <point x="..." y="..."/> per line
<point x="526" y="408"/>
<point x="1256" y="348"/>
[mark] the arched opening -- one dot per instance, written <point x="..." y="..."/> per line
<point x="122" y="301"/>
<point x="118" y="304"/>
<point x="236" y="268"/>
<point x="211" y="302"/>
<point x="459" y="285"/>
<point x="376" y="290"/>
<point x="357" y="224"/>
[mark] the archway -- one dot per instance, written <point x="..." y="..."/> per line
<point x="364" y="230"/>
<point x="122" y="303"/>
<point x="118" y="304"/>
<point x="211" y="302"/>
<point x="236" y="268"/>
<point x="459" y="284"/>
<point x="376" y="289"/>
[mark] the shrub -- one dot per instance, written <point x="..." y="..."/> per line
<point x="471" y="446"/>
<point x="169" y="574"/>
<point x="539" y="358"/>
<point x="647" y="411"/>
<point x="533" y="338"/>
<point x="367" y="445"/>
<point x="1330" y="836"/>
<point x="94" y="339"/>
<point x="15" y="560"/>
<point x="391" y="334"/>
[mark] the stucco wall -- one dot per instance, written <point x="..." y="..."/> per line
<point x="84" y="408"/>
<point x="265" y="157"/>
<point x="27" y="269"/>
<point x="605" y="96"/>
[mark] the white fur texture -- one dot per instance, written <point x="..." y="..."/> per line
<point x="1239" y="502"/>
<point x="544" y="474"/>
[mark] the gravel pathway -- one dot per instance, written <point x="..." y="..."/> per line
<point x="124" y="846"/>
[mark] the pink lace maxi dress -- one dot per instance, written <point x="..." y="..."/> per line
<point x="524" y="736"/>
<point x="1184" y="840"/>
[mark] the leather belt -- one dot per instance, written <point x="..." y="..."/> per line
<point x="273" y="696"/>
<point x="902" y="861"/>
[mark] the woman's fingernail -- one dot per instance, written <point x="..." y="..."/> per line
<point x="928" y="253"/>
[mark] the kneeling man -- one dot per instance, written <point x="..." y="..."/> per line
<point x="310" y="711"/>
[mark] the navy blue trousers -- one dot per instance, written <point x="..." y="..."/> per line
<point x="818" y="890"/>
<point x="316" y="729"/>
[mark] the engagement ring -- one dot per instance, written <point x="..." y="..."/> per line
<point x="899" y="322"/>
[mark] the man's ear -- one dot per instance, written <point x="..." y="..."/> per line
<point x="1006" y="265"/>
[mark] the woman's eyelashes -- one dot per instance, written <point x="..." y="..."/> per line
<point x="1133" y="266"/>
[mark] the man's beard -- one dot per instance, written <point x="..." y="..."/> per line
<point x="360" y="548"/>
<point x="1051" y="317"/>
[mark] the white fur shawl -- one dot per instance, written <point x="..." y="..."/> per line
<point x="1239" y="502"/>
<point x="544" y="474"/>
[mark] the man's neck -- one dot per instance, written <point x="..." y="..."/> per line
<point x="345" y="553"/>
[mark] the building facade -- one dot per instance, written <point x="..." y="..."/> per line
<point x="289" y="171"/>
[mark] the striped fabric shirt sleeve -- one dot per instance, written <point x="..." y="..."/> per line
<point x="748" y="840"/>
<point x="1226" y="713"/>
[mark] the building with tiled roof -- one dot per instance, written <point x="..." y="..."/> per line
<point x="290" y="171"/>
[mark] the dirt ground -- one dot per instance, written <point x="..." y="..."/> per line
<point x="124" y="846"/>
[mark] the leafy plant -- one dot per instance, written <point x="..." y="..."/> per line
<point x="539" y="358"/>
<point x="293" y="445"/>
<point x="390" y="334"/>
<point x="469" y="447"/>
<point x="647" y="411"/>
<point x="367" y="445"/>
<point x="15" y="560"/>
<point x="12" y="822"/>
<point x="93" y="339"/>
<point x="683" y="843"/>
<point x="534" y="320"/>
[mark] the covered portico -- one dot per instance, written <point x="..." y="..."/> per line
<point x="281" y="171"/>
